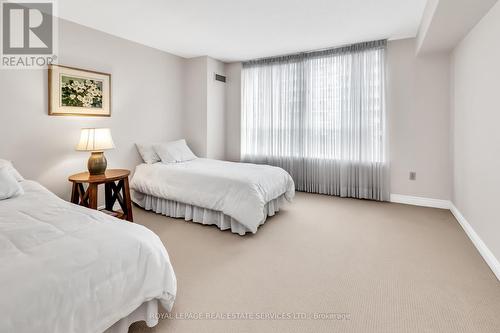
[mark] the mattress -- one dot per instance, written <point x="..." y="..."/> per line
<point x="238" y="190"/>
<point x="66" y="268"/>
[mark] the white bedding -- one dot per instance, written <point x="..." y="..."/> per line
<point x="65" y="268"/>
<point x="240" y="190"/>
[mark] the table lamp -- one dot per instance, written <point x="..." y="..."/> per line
<point x="96" y="140"/>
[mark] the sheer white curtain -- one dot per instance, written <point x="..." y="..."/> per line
<point x="320" y="116"/>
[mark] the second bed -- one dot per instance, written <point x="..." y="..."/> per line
<point x="236" y="196"/>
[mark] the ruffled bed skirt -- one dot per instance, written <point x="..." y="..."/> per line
<point x="201" y="215"/>
<point x="147" y="312"/>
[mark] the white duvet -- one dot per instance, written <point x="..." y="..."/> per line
<point x="240" y="190"/>
<point x="65" y="268"/>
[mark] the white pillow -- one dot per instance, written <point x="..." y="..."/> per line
<point x="174" y="152"/>
<point x="148" y="153"/>
<point x="12" y="170"/>
<point x="9" y="186"/>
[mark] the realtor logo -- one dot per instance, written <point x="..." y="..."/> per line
<point x="28" y="34"/>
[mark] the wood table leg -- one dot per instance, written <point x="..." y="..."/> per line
<point x="108" y="193"/>
<point x="127" y="199"/>
<point x="75" y="197"/>
<point x="92" y="195"/>
<point x="83" y="196"/>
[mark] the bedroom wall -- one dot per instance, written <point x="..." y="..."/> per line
<point x="475" y="135"/>
<point x="233" y="111"/>
<point x="195" y="105"/>
<point x="216" y="110"/>
<point x="205" y="110"/>
<point x="418" y="107"/>
<point x="147" y="104"/>
<point x="418" y="111"/>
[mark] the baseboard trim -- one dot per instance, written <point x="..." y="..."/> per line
<point x="420" y="201"/>
<point x="485" y="252"/>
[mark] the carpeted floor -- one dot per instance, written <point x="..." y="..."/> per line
<point x="365" y="266"/>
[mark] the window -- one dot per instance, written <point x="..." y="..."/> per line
<point x="320" y="113"/>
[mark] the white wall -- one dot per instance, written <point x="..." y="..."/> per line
<point x="418" y="112"/>
<point x="446" y="22"/>
<point x="205" y="107"/>
<point x="147" y="103"/>
<point x="425" y="23"/>
<point x="418" y="107"/>
<point x="195" y="105"/>
<point x="233" y="111"/>
<point x="216" y="110"/>
<point x="476" y="134"/>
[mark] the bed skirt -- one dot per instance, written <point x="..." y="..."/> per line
<point x="147" y="312"/>
<point x="199" y="214"/>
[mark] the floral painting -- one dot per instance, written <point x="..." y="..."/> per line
<point x="78" y="92"/>
<point x="81" y="92"/>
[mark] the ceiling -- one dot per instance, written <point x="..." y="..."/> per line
<point x="235" y="30"/>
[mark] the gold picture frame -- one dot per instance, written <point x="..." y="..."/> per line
<point x="78" y="92"/>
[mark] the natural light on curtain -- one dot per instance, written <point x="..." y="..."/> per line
<point x="321" y="117"/>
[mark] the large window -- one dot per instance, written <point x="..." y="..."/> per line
<point x="320" y="116"/>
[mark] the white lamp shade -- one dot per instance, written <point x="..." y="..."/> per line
<point x="95" y="139"/>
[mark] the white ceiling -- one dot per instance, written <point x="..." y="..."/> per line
<point x="234" y="30"/>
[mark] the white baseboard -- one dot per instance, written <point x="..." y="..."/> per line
<point x="487" y="255"/>
<point x="420" y="201"/>
<point x="485" y="252"/>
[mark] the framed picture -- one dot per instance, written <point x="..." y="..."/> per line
<point x="78" y="92"/>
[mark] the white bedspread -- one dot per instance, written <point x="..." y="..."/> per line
<point x="240" y="190"/>
<point x="65" y="268"/>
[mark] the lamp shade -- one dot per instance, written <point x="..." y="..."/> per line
<point x="95" y="139"/>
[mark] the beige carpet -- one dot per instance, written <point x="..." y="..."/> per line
<point x="380" y="267"/>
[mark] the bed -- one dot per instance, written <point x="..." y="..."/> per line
<point x="66" y="268"/>
<point x="230" y="195"/>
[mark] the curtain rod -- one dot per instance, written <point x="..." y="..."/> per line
<point x="382" y="43"/>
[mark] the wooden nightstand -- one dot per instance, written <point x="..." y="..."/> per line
<point x="116" y="189"/>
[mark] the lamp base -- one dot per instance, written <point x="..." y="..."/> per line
<point x="97" y="163"/>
